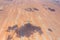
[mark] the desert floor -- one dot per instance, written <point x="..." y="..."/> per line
<point x="29" y="19"/>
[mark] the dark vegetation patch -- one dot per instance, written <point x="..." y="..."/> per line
<point x="51" y="9"/>
<point x="12" y="28"/>
<point x="9" y="29"/>
<point x="27" y="30"/>
<point x="49" y="29"/>
<point x="31" y="9"/>
<point x="35" y="9"/>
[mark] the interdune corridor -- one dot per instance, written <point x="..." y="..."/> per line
<point x="29" y="19"/>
